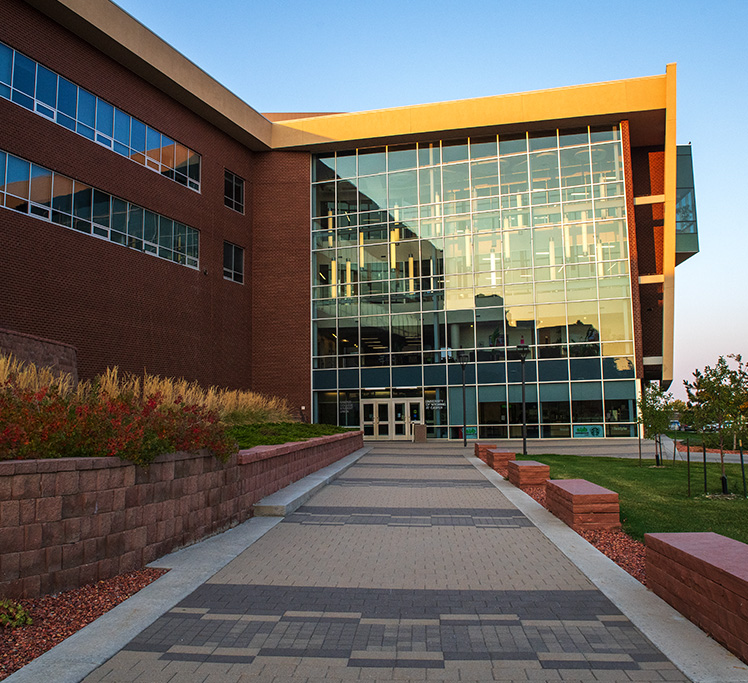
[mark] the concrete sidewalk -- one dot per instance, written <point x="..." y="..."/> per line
<point x="416" y="563"/>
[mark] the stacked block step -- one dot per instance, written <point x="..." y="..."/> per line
<point x="583" y="505"/>
<point x="705" y="577"/>
<point x="481" y="450"/>
<point x="496" y="458"/>
<point x="524" y="473"/>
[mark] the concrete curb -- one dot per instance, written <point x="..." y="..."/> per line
<point x="83" y="652"/>
<point x="702" y="659"/>
<point x="293" y="496"/>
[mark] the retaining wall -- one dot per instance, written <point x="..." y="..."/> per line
<point x="60" y="358"/>
<point x="72" y="521"/>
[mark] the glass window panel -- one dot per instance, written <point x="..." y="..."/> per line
<point x="454" y="151"/>
<point x="121" y="126"/>
<point x="607" y="164"/>
<point x="544" y="170"/>
<point x="546" y="215"/>
<point x="543" y="140"/>
<point x="371" y="161"/>
<point x="119" y="221"/>
<point x="517" y="249"/>
<point x="347" y="196"/>
<point x="571" y="138"/>
<point x="458" y="254"/>
<point x="575" y="167"/>
<point x="6" y="63"/>
<point x="86" y="108"/>
<point x="429" y="154"/>
<point x="430" y="185"/>
<point x="605" y="133"/>
<point x="485" y="178"/>
<point x="579" y="290"/>
<point x="487" y="222"/>
<point x="548" y="246"/>
<point x="490" y="327"/>
<point x="167" y="154"/>
<point x="615" y="320"/>
<point x="323" y="200"/>
<point x="46" y="86"/>
<point x="150" y="226"/>
<point x="481" y="148"/>
<point x="345" y="164"/>
<point x="457" y="226"/>
<point x="62" y="197"/>
<point x="153" y="148"/>
<point x="165" y="229"/>
<point x="615" y="368"/>
<point x="67" y="96"/>
<point x="610" y="208"/>
<point x="104" y="117"/>
<point x="614" y="287"/>
<point x="550" y="291"/>
<point x="375" y="335"/>
<point x="456" y="180"/>
<point x="518" y="293"/>
<point x="583" y="321"/>
<point x="181" y="154"/>
<point x="348" y="336"/>
<point x="41" y="185"/>
<point x="401" y="157"/>
<point x="325" y="341"/>
<point x="101" y="201"/>
<point x="513" y="174"/>
<point x="612" y="240"/>
<point x="193" y="167"/>
<point x="19" y="173"/>
<point x="82" y="201"/>
<point x="323" y="167"/>
<point x="579" y="243"/>
<point x="520" y="327"/>
<point x="406" y="333"/>
<point x="551" y="324"/>
<point x="512" y="144"/>
<point x="403" y="189"/>
<point x="24" y="74"/>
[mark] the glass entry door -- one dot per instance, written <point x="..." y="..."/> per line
<point x="391" y="419"/>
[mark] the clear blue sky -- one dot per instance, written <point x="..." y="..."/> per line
<point x="334" y="55"/>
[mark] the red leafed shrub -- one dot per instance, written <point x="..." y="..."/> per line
<point x="49" y="424"/>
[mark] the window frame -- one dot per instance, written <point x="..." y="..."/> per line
<point x="236" y="182"/>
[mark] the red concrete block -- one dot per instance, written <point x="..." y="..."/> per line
<point x="523" y="473"/>
<point x="49" y="509"/>
<point x="10" y="566"/>
<point x="10" y="513"/>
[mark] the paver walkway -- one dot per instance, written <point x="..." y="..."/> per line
<point x="407" y="567"/>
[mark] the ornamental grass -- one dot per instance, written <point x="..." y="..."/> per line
<point x="130" y="416"/>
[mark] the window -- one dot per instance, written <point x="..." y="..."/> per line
<point x="42" y="193"/>
<point x="233" y="262"/>
<point x="233" y="194"/>
<point x="38" y="89"/>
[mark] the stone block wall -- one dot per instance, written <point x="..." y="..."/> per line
<point x="61" y="358"/>
<point x="72" y="521"/>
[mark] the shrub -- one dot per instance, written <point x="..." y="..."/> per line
<point x="13" y="615"/>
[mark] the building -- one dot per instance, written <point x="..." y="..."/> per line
<point x="153" y="220"/>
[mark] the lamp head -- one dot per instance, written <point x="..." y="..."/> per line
<point x="463" y="358"/>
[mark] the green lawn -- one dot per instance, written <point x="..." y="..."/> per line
<point x="655" y="499"/>
<point x="269" y="433"/>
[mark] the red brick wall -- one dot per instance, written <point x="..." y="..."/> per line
<point x="73" y="521"/>
<point x="281" y="263"/>
<point x="61" y="358"/>
<point x="116" y="305"/>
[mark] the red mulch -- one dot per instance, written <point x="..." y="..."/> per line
<point x="696" y="449"/>
<point x="58" y="616"/>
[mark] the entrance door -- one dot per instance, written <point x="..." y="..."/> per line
<point x="391" y="419"/>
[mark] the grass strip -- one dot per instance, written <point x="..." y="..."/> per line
<point x="656" y="500"/>
<point x="271" y="433"/>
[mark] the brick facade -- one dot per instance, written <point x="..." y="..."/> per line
<point x="72" y="521"/>
<point x="115" y="305"/>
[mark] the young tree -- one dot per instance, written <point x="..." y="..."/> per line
<point x="654" y="415"/>
<point x="718" y="396"/>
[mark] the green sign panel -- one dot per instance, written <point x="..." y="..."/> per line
<point x="589" y="431"/>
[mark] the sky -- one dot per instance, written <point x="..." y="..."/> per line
<point x="355" y="55"/>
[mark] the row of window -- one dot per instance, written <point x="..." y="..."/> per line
<point x="371" y="161"/>
<point x="33" y="86"/>
<point x="45" y="194"/>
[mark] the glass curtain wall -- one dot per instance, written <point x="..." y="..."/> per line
<point x="476" y="245"/>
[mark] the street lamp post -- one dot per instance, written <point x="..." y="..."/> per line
<point x="463" y="358"/>
<point x="523" y="350"/>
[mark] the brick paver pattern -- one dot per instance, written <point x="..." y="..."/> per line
<point x="407" y="567"/>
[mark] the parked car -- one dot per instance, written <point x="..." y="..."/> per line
<point x="675" y="425"/>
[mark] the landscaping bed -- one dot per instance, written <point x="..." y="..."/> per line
<point x="56" y="617"/>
